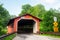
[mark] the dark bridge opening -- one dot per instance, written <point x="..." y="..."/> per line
<point x="26" y="26"/>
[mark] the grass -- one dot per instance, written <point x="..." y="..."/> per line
<point x="10" y="37"/>
<point x="4" y="31"/>
<point x="51" y="35"/>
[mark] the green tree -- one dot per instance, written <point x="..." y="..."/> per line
<point x="4" y="17"/>
<point x="25" y="9"/>
<point x="47" y="23"/>
<point x="37" y="10"/>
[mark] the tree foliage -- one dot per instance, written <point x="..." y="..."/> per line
<point x="46" y="16"/>
<point x="4" y="17"/>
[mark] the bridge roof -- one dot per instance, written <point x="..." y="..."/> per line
<point x="12" y="20"/>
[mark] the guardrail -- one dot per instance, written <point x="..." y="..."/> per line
<point x="5" y="35"/>
<point x="53" y="33"/>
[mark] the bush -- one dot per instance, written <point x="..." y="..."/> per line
<point x="2" y="31"/>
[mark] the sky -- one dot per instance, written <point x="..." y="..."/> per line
<point x="15" y="6"/>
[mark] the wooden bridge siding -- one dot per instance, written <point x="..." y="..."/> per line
<point x="37" y="24"/>
<point x="16" y="24"/>
<point x="10" y="29"/>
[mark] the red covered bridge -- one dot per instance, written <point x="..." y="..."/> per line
<point x="24" y="24"/>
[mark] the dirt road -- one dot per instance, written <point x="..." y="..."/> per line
<point x="33" y="37"/>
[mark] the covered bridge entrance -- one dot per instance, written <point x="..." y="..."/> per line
<point x="24" y="24"/>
